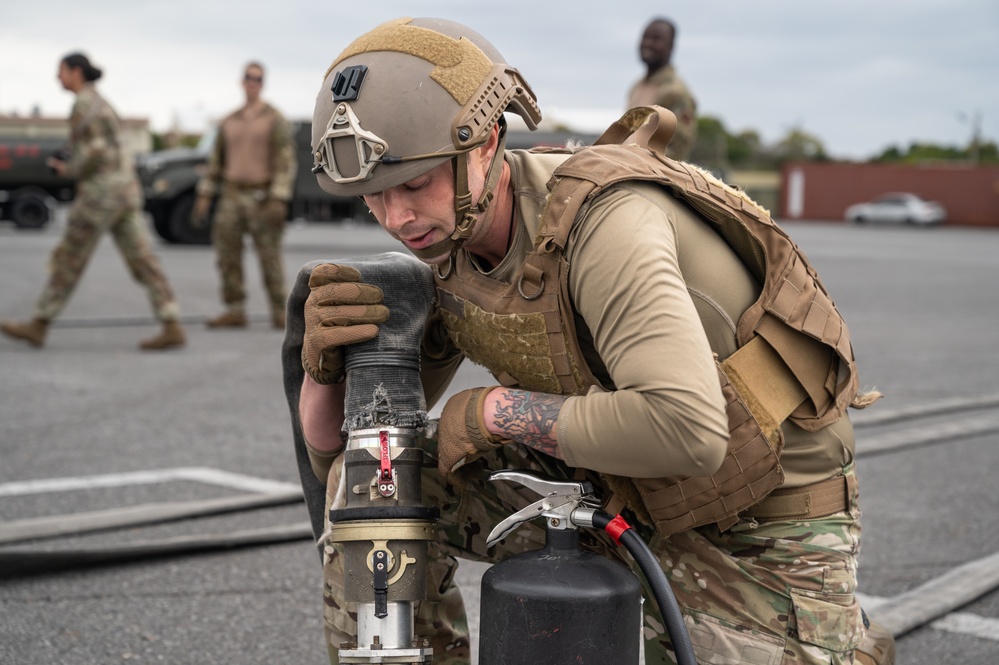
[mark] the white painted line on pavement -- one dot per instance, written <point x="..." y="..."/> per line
<point x="193" y="474"/>
<point x="237" y="480"/>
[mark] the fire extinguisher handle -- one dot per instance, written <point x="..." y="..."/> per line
<point x="559" y="501"/>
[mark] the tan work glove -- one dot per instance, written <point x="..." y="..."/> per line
<point x="340" y="310"/>
<point x="462" y="436"/>
<point x="275" y="212"/>
<point x="202" y="206"/>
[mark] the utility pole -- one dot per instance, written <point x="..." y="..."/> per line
<point x="975" y="120"/>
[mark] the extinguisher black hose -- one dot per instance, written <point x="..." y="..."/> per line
<point x="659" y="585"/>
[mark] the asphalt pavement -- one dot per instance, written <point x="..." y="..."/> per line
<point x="91" y="428"/>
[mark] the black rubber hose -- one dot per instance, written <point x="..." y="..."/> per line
<point x="383" y="375"/>
<point x="659" y="585"/>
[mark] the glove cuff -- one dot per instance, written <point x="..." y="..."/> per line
<point x="475" y="424"/>
<point x="321" y="377"/>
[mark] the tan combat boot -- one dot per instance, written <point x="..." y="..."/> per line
<point x="878" y="648"/>
<point x="278" y="319"/>
<point x="228" y="320"/>
<point x="32" y="332"/>
<point x="170" y="337"/>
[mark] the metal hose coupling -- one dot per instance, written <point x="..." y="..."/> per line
<point x="383" y="526"/>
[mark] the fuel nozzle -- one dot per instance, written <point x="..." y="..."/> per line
<point x="384" y="529"/>
<point x="378" y="517"/>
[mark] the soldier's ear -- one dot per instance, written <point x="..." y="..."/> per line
<point x="486" y="151"/>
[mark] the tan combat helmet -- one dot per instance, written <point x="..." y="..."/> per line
<point x="407" y="96"/>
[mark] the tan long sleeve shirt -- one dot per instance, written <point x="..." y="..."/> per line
<point x="254" y="147"/>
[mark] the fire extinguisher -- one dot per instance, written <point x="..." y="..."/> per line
<point x="561" y="605"/>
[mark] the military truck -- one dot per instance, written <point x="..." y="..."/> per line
<point x="169" y="178"/>
<point x="28" y="188"/>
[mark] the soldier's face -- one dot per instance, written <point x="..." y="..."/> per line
<point x="253" y="82"/>
<point x="68" y="77"/>
<point x="420" y="212"/>
<point x="656" y="44"/>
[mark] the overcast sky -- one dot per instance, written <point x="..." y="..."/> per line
<point x="860" y="75"/>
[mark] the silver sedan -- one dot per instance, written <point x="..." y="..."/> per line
<point x="898" y="208"/>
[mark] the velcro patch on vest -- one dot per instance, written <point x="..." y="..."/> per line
<point x="516" y="344"/>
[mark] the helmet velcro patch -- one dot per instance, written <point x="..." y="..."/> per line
<point x="460" y="65"/>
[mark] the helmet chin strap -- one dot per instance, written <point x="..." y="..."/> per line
<point x="467" y="216"/>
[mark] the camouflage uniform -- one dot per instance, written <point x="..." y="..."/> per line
<point x="108" y="199"/>
<point x="760" y="592"/>
<point x="665" y="88"/>
<point x="241" y="211"/>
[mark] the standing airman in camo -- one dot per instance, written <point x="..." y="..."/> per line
<point x="108" y="199"/>
<point x="662" y="86"/>
<point x="252" y="170"/>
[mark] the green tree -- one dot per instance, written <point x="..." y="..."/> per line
<point x="916" y="153"/>
<point x="745" y="149"/>
<point x="719" y="150"/>
<point x="711" y="147"/>
<point x="799" y="145"/>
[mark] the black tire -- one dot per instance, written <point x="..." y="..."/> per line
<point x="29" y="211"/>
<point x="161" y="223"/>
<point x="181" y="228"/>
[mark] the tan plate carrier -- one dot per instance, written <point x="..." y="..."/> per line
<point x="794" y="358"/>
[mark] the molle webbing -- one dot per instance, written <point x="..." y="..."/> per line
<point x="749" y="471"/>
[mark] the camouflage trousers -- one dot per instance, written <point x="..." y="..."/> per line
<point x="773" y="593"/>
<point x="93" y="213"/>
<point x="239" y="213"/>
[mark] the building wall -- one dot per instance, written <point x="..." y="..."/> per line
<point x="823" y="190"/>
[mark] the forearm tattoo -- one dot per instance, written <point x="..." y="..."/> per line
<point x="529" y="418"/>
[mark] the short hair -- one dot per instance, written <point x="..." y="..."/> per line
<point x="254" y="63"/>
<point x="77" y="60"/>
<point x="666" y="21"/>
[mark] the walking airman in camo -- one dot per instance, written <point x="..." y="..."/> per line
<point x="108" y="200"/>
